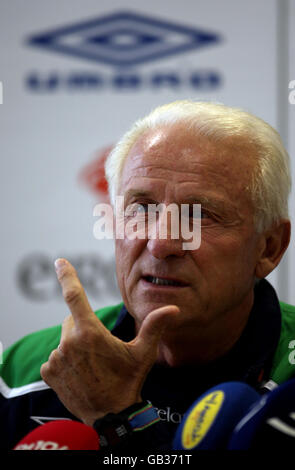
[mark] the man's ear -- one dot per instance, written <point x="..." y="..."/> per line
<point x="275" y="241"/>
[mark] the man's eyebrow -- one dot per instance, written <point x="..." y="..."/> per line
<point x="211" y="202"/>
<point x="223" y="207"/>
<point x="218" y="203"/>
<point x="137" y="193"/>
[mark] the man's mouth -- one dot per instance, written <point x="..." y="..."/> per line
<point x="160" y="281"/>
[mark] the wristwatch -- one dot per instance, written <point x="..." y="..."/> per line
<point x="115" y="428"/>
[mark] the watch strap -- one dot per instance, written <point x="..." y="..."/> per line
<point x="143" y="418"/>
<point x="115" y="428"/>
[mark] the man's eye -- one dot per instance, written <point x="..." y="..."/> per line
<point x="141" y="209"/>
<point x="136" y="209"/>
<point x="200" y="214"/>
<point x="197" y="213"/>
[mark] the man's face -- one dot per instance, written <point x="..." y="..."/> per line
<point x="214" y="283"/>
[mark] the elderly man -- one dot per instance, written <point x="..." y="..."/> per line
<point x="190" y="319"/>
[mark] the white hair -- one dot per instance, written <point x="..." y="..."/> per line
<point x="271" y="181"/>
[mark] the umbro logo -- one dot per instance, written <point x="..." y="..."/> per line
<point x="124" y="39"/>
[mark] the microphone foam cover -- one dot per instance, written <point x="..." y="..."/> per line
<point x="60" y="435"/>
<point x="208" y="423"/>
<point x="270" y="422"/>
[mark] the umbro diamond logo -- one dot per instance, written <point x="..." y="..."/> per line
<point x="124" y="39"/>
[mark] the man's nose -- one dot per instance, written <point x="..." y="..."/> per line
<point x="161" y="248"/>
<point x="165" y="239"/>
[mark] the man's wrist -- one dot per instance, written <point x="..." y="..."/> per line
<point x="116" y="428"/>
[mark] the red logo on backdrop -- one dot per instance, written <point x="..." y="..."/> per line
<point x="93" y="175"/>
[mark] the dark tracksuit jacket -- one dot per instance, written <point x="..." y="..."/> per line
<point x="262" y="353"/>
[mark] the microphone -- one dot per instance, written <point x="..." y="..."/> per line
<point x="270" y="423"/>
<point x="60" y="435"/>
<point x="210" y="420"/>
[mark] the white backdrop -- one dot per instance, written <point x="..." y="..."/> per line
<point x="62" y="110"/>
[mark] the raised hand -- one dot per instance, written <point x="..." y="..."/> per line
<point x="92" y="371"/>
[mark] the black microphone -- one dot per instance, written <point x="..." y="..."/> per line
<point x="270" y="423"/>
<point x="210" y="420"/>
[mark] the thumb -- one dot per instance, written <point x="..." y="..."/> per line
<point x="153" y="327"/>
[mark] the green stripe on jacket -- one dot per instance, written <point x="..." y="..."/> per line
<point x="22" y="361"/>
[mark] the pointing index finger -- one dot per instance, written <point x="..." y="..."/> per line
<point x="73" y="291"/>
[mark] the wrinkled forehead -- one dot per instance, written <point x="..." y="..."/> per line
<point x="186" y="151"/>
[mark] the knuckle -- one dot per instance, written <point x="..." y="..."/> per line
<point x="53" y="366"/>
<point x="47" y="372"/>
<point x="86" y="336"/>
<point x="44" y="371"/>
<point x="72" y="294"/>
<point x="53" y="359"/>
<point x="68" y="322"/>
<point x="65" y="347"/>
